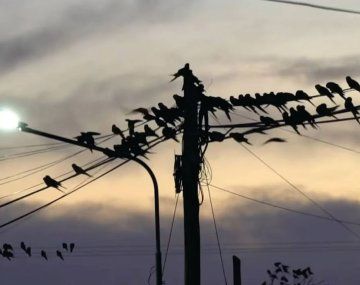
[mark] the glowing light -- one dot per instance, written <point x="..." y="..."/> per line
<point x="8" y="119"/>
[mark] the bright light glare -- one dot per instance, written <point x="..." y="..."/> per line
<point x="8" y="119"/>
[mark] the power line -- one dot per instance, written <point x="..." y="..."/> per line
<point x="281" y="207"/>
<point x="171" y="231"/>
<point x="303" y="193"/>
<point x="68" y="193"/>
<point x="217" y="235"/>
<point x="315" y="6"/>
<point x="306" y="136"/>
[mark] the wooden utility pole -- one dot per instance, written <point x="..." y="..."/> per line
<point x="191" y="168"/>
<point x="236" y="270"/>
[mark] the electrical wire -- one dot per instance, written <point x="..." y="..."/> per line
<point x="72" y="191"/>
<point x="170" y="233"/>
<point x="347" y="228"/>
<point x="281" y="207"/>
<point x="310" y="5"/>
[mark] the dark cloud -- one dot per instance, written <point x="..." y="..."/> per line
<point x="79" y="21"/>
<point x="116" y="244"/>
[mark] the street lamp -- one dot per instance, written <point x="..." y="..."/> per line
<point x="9" y="120"/>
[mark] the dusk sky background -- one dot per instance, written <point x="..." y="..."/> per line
<point x="71" y="66"/>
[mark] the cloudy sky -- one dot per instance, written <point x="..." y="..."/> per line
<point x="69" y="66"/>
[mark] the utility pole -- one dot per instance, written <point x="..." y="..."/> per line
<point x="191" y="168"/>
<point x="236" y="270"/>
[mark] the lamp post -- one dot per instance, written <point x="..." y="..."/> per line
<point x="24" y="128"/>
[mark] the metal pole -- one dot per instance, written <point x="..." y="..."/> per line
<point x="159" y="280"/>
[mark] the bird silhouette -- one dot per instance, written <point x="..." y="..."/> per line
<point x="43" y="254"/>
<point x="349" y="106"/>
<point x="78" y="170"/>
<point x="302" y="95"/>
<point x="65" y="246"/>
<point x="238" y="137"/>
<point x="335" y="88"/>
<point x="324" y="91"/>
<point x="131" y="125"/>
<point x="169" y="133"/>
<point x="150" y="132"/>
<point x="27" y="250"/>
<point x="323" y="110"/>
<point x="216" y="136"/>
<point x="8" y="254"/>
<point x="117" y="131"/>
<point x="267" y="121"/>
<point x="7" y="246"/>
<point x="59" y="254"/>
<point x="87" y="138"/>
<point x="50" y="182"/>
<point x="278" y="140"/>
<point x="353" y="83"/>
<point x="72" y="246"/>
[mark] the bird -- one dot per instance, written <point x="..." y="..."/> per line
<point x="7" y="246"/>
<point x="169" y="133"/>
<point x="324" y="91"/>
<point x="181" y="72"/>
<point x="43" y="254"/>
<point x="7" y="254"/>
<point x="150" y="132"/>
<point x="116" y="131"/>
<point x="78" y="170"/>
<point x="279" y="140"/>
<point x="267" y="121"/>
<point x="27" y="250"/>
<point x="72" y="246"/>
<point x="349" y="106"/>
<point x="216" y="136"/>
<point x="87" y="138"/>
<point x="323" y="110"/>
<point x="65" y="246"/>
<point x="131" y="125"/>
<point x="59" y="254"/>
<point x="238" y="137"/>
<point x="50" y="182"/>
<point x="335" y="88"/>
<point x="353" y="83"/>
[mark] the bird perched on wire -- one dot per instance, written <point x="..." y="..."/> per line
<point x="78" y="170"/>
<point x="131" y="126"/>
<point x="335" y="88"/>
<point x="238" y="137"/>
<point x="267" y="121"/>
<point x="349" y="106"/>
<point x="43" y="254"/>
<point x="288" y="120"/>
<point x="117" y="131"/>
<point x="302" y="95"/>
<point x="169" y="133"/>
<point x="59" y="254"/>
<point x="150" y="132"/>
<point x="72" y="246"/>
<point x="8" y="254"/>
<point x="323" y="110"/>
<point x="7" y="246"/>
<point x="324" y="91"/>
<point x="186" y="72"/>
<point x="353" y="83"/>
<point x="50" y="182"/>
<point x="87" y="138"/>
<point x="65" y="246"/>
<point x="26" y="249"/>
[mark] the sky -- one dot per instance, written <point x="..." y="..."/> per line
<point x="82" y="65"/>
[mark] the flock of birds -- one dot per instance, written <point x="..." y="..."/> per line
<point x="283" y="275"/>
<point x="169" y="120"/>
<point x="7" y="251"/>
